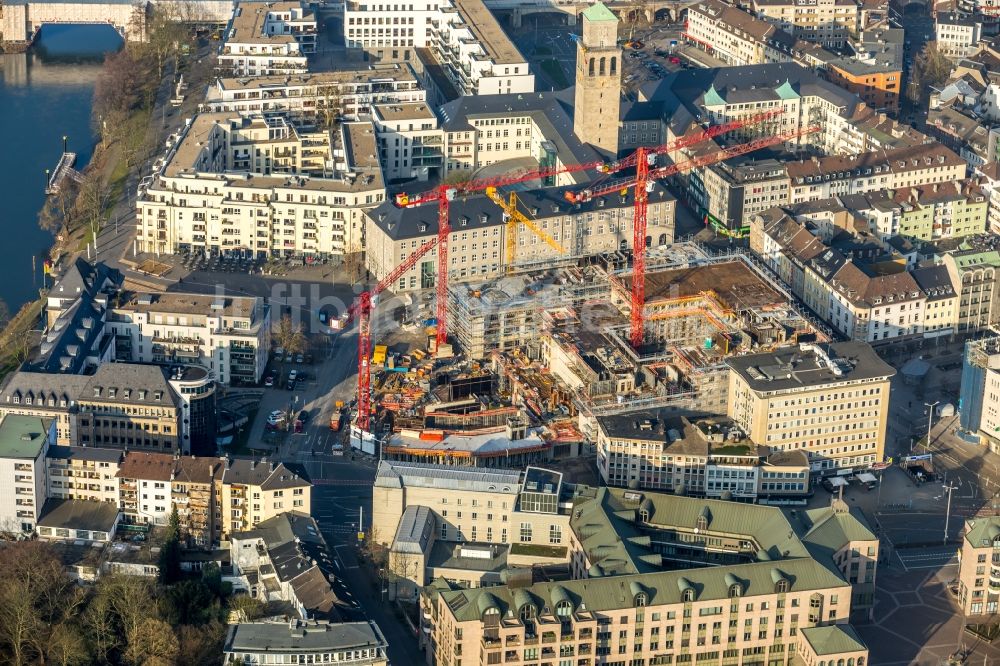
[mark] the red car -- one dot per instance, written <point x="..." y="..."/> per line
<point x="674" y="60"/>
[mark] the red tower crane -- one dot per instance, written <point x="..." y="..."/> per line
<point x="443" y="195"/>
<point x="642" y="181"/>
<point x="362" y="309"/>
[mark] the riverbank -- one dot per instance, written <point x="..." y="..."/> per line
<point x="130" y="99"/>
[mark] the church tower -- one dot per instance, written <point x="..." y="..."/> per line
<point x="598" y="80"/>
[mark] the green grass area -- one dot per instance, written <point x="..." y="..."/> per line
<point x="536" y="550"/>
<point x="554" y="71"/>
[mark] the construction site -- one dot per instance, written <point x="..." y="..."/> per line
<point x="535" y="358"/>
<point x="546" y="347"/>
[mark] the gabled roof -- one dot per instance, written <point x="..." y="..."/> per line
<point x="269" y="475"/>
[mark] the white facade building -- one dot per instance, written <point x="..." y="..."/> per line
<point x="462" y="36"/>
<point x="268" y="38"/>
<point x="261" y="187"/>
<point x="24" y="441"/>
<point x="348" y="93"/>
<point x="230" y="336"/>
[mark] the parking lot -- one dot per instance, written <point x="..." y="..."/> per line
<point x="927" y="558"/>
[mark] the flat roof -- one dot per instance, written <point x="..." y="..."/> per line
<point x="407" y="111"/>
<point x="23" y="436"/>
<point x="396" y="72"/>
<point x="299" y="636"/>
<point x="192" y="304"/>
<point x="483" y="24"/>
<point x="250" y="19"/>
<point x="810" y="365"/>
<point x="392" y="474"/>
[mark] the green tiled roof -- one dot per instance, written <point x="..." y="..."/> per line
<point x="785" y="91"/>
<point x="713" y="98"/>
<point x="833" y="639"/>
<point x="599" y="12"/>
<point x="975" y="259"/>
<point x="615" y="592"/>
<point x="982" y="532"/>
<point x="22" y="436"/>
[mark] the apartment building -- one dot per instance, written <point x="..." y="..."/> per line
<point x="829" y="400"/>
<point x="979" y="566"/>
<point x="44" y="395"/>
<point x="318" y="642"/>
<point x="627" y="599"/>
<point x="409" y="140"/>
<point x="942" y="210"/>
<point x="736" y="37"/>
<point x="480" y="248"/>
<point x="285" y="559"/>
<point x="266" y="39"/>
<point x="459" y="38"/>
<point x="153" y="485"/>
<point x="260" y="187"/>
<point x="24" y="443"/>
<point x="826" y="22"/>
<point x="942" y="305"/>
<point x="730" y="193"/>
<point x="321" y="97"/>
<point x="957" y="35"/>
<point x="974" y="273"/>
<point x="964" y="131"/>
<point x="130" y="406"/>
<point x="256" y="490"/>
<point x="709" y="457"/>
<point x="826" y="177"/>
<point x="230" y="336"/>
<point x="877" y="81"/>
<point x="83" y="473"/>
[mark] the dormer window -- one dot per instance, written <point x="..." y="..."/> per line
<point x="640" y="600"/>
<point x="735" y="590"/>
<point x="688" y="595"/>
<point x="781" y="587"/>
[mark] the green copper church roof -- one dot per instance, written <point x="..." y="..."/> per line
<point x="785" y="91"/>
<point x="599" y="12"/>
<point x="713" y="98"/>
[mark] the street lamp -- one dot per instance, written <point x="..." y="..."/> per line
<point x="930" y="415"/>
<point x="947" y="511"/>
<point x="65" y="144"/>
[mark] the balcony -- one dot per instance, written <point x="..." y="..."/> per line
<point x="491" y="643"/>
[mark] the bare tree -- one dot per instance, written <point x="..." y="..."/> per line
<point x="152" y="642"/>
<point x="930" y="69"/>
<point x="330" y="107"/>
<point x="67" y="646"/>
<point x="93" y="201"/>
<point x="290" y="336"/>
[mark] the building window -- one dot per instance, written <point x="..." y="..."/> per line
<point x="525" y="532"/>
<point x="555" y="534"/>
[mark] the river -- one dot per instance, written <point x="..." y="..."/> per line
<point x="44" y="95"/>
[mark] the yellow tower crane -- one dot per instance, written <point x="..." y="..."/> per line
<point x="515" y="217"/>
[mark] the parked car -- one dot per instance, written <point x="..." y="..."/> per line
<point x="269" y="380"/>
<point x="293" y="375"/>
<point x="309" y="359"/>
<point x="299" y="426"/>
<point x="299" y="358"/>
<point x="674" y="60"/>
